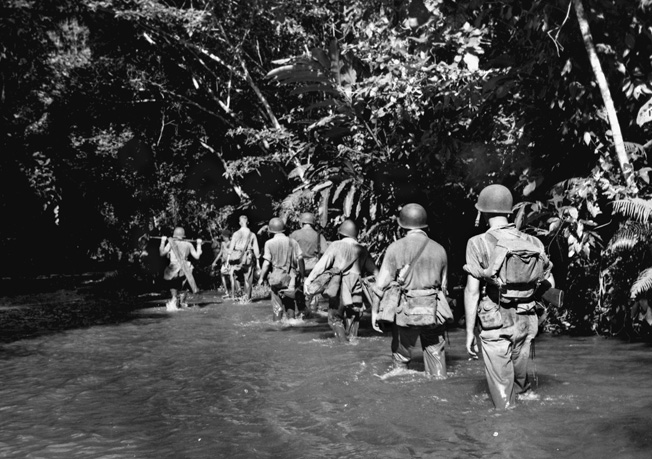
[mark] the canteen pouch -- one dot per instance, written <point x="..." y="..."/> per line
<point x="388" y="305"/>
<point x="444" y="312"/>
<point x="332" y="289"/>
<point x="419" y="308"/>
<point x="279" y="279"/>
<point x="492" y="315"/>
<point x="322" y="283"/>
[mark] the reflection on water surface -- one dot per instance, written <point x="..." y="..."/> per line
<point x="224" y="381"/>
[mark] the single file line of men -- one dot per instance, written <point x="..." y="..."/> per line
<point x="499" y="305"/>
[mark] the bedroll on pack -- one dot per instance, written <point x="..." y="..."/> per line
<point x="516" y="266"/>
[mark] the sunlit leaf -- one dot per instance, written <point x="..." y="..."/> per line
<point x="348" y="201"/>
<point x="637" y="209"/>
<point x="642" y="284"/>
<point x="339" y="188"/>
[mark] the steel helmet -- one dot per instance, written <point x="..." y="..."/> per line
<point x="179" y="233"/>
<point x="495" y="199"/>
<point x="348" y="228"/>
<point x="413" y="216"/>
<point x="307" y="217"/>
<point x="276" y="225"/>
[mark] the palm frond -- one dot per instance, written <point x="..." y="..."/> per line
<point x="636" y="209"/>
<point x="643" y="283"/>
<point x="629" y="236"/>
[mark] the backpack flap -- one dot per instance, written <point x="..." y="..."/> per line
<point x="516" y="266"/>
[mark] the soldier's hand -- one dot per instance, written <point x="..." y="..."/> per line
<point x="199" y="241"/>
<point x="374" y="321"/>
<point x="472" y="347"/>
<point x="163" y="239"/>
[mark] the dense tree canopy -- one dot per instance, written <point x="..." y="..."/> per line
<point x="123" y="118"/>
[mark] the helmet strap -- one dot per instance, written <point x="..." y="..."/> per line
<point x="477" y="219"/>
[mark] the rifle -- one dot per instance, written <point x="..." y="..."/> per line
<point x="192" y="241"/>
<point x="551" y="295"/>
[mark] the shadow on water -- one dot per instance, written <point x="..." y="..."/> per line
<point x="52" y="308"/>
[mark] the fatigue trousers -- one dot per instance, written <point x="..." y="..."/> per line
<point x="280" y="304"/>
<point x="506" y="352"/>
<point x="404" y="340"/>
<point x="246" y="273"/>
<point x="344" y="320"/>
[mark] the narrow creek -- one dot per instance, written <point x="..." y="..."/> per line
<point x="223" y="380"/>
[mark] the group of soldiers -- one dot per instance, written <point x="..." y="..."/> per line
<point x="508" y="321"/>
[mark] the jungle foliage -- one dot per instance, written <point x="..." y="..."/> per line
<point x="124" y="118"/>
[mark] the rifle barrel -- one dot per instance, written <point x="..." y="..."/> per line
<point x="185" y="240"/>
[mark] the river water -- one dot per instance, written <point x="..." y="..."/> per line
<point x="223" y="380"/>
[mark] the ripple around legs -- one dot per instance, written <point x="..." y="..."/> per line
<point x="224" y="380"/>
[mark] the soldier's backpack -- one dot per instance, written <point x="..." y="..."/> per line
<point x="516" y="266"/>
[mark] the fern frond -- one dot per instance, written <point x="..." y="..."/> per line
<point x="623" y="243"/>
<point x="629" y="236"/>
<point x="637" y="209"/>
<point x="643" y="283"/>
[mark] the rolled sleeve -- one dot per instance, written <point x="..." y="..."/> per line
<point x="473" y="256"/>
<point x="267" y="253"/>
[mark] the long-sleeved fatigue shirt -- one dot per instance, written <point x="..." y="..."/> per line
<point x="429" y="271"/>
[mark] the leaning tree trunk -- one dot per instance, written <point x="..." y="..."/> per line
<point x="621" y="154"/>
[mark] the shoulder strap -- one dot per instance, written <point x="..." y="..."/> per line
<point x="288" y="263"/>
<point x="250" y="241"/>
<point x="414" y="260"/>
<point x="350" y="264"/>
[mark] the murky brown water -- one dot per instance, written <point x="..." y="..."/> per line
<point x="224" y="381"/>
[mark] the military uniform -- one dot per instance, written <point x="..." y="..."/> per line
<point x="312" y="244"/>
<point x="428" y="272"/>
<point x="282" y="253"/>
<point x="506" y="350"/>
<point x="348" y="306"/>
<point x="173" y="274"/>
<point x="245" y="240"/>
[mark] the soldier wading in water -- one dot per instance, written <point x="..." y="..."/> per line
<point x="504" y="268"/>
<point x="283" y="262"/>
<point x="353" y="260"/>
<point x="426" y="264"/>
<point x="178" y="250"/>
<point x="313" y="245"/>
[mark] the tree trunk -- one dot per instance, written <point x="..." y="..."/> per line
<point x="621" y="154"/>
